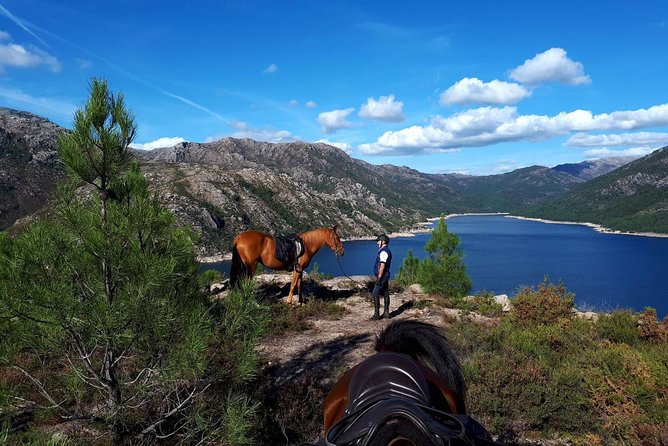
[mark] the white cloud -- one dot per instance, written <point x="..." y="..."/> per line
<point x="294" y="103"/>
<point x="158" y="143"/>
<point x="636" y="152"/>
<point x="16" y="96"/>
<point x="491" y="125"/>
<point x="258" y="134"/>
<point x="13" y="55"/>
<point x="384" y="109"/>
<point x="4" y="35"/>
<point x="341" y="145"/>
<point x="311" y="104"/>
<point x="474" y="91"/>
<point x="271" y="69"/>
<point x="552" y="65"/>
<point x="334" y="120"/>
<point x="621" y="139"/>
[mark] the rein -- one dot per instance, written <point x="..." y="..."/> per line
<point x="359" y="285"/>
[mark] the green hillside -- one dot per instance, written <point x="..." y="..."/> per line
<point x="631" y="198"/>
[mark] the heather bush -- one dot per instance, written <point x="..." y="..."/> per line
<point x="650" y="328"/>
<point x="620" y="326"/>
<point x="547" y="304"/>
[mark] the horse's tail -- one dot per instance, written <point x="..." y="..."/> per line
<point x="426" y="344"/>
<point x="238" y="268"/>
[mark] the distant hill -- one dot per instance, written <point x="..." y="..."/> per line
<point x="633" y="197"/>
<point x="227" y="186"/>
<point x="588" y="170"/>
<point x="29" y="164"/>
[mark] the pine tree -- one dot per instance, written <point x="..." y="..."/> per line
<point x="105" y="298"/>
<point x="444" y="272"/>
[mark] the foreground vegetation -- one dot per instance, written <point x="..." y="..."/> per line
<point x="540" y="372"/>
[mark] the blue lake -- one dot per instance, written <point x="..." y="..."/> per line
<point x="605" y="271"/>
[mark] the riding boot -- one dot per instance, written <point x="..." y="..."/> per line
<point x="376" y="308"/>
<point x="386" y="307"/>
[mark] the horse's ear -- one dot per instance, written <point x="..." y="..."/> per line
<point x="334" y="228"/>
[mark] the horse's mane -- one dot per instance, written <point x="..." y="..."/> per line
<point x="316" y="236"/>
<point x="427" y="345"/>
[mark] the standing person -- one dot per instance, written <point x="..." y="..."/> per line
<point x="381" y="273"/>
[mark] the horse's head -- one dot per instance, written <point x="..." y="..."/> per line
<point x="334" y="242"/>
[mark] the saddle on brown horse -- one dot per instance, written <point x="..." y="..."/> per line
<point x="394" y="398"/>
<point x="289" y="248"/>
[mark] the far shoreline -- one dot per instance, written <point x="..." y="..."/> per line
<point x="425" y="228"/>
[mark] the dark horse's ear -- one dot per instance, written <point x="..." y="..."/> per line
<point x="334" y="228"/>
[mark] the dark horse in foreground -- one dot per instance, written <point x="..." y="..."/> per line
<point x="252" y="247"/>
<point x="410" y="393"/>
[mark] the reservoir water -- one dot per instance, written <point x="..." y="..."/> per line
<point x="502" y="254"/>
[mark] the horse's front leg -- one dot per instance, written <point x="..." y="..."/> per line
<point x="295" y="278"/>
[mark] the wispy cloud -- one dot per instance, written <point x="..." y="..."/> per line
<point x="16" y="96"/>
<point x="553" y="65"/>
<point x="158" y="143"/>
<point x="490" y="125"/>
<point x="311" y="104"/>
<point x="334" y="120"/>
<point x="84" y="64"/>
<point x="271" y="69"/>
<point x="471" y="90"/>
<point x="4" y="11"/>
<point x="384" y="109"/>
<point x="195" y="105"/>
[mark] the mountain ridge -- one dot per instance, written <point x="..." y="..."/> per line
<point x="226" y="186"/>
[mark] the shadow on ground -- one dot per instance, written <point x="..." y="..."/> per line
<point x="292" y="394"/>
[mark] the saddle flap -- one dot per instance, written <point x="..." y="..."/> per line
<point x="288" y="248"/>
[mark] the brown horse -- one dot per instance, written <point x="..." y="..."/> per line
<point x="411" y="392"/>
<point x="252" y="247"/>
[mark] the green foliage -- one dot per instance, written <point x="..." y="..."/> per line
<point x="444" y="271"/>
<point x="548" y="304"/>
<point x="619" y="326"/>
<point x="209" y="277"/>
<point x="562" y="377"/>
<point x="102" y="316"/>
<point x="318" y="276"/>
<point x="408" y="271"/>
<point x="482" y="303"/>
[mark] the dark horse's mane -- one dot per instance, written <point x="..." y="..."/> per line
<point x="426" y="344"/>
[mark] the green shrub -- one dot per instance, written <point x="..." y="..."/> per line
<point x="209" y="277"/>
<point x="548" y="304"/>
<point x="408" y="271"/>
<point x="482" y="303"/>
<point x="620" y="326"/>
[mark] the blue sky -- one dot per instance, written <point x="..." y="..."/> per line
<point x="458" y="86"/>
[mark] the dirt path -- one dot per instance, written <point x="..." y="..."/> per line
<point x="345" y="341"/>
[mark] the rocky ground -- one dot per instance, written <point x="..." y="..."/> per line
<point x="301" y="366"/>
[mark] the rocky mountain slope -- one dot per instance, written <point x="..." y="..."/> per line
<point x="588" y="170"/>
<point x="633" y="197"/>
<point x="227" y="186"/>
<point x="29" y="165"/>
